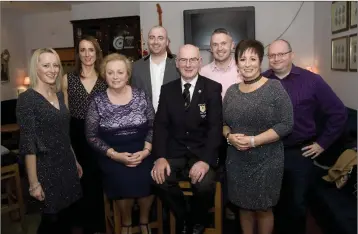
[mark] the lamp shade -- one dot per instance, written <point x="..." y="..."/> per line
<point x="26" y="80"/>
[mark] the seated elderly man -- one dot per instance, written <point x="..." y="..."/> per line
<point x="186" y="141"/>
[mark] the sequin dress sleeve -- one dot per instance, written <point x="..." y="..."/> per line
<point x="26" y="120"/>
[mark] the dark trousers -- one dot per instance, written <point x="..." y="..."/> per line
<point x="92" y="203"/>
<point x="172" y="196"/>
<point x="290" y="212"/>
<point x="222" y="170"/>
<point x="59" y="223"/>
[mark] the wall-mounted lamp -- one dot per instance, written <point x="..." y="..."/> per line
<point x="312" y="69"/>
<point x="24" y="86"/>
<point x="27" y="81"/>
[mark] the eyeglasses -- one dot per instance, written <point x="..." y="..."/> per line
<point x="278" y="55"/>
<point x="192" y="61"/>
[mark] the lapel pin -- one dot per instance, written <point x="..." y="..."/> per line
<point x="199" y="91"/>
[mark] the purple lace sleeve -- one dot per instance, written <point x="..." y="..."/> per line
<point x="92" y="125"/>
<point x="149" y="112"/>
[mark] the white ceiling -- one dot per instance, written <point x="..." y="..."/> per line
<point x="38" y="7"/>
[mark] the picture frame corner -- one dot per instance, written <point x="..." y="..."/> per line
<point x="343" y="54"/>
<point x="352" y="67"/>
<point x="341" y="27"/>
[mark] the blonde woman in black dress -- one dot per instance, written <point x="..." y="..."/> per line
<point x="79" y="87"/>
<point x="52" y="169"/>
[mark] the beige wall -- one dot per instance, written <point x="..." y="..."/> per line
<point x="309" y="34"/>
<point x="12" y="38"/>
<point x="345" y="84"/>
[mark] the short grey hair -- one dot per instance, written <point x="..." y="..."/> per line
<point x="221" y="30"/>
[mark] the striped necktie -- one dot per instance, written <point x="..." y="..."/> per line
<point x="186" y="95"/>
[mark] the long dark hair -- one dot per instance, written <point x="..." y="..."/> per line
<point x="99" y="55"/>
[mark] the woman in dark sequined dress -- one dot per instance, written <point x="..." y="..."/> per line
<point x="257" y="114"/>
<point x="52" y="169"/>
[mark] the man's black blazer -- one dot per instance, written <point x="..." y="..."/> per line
<point x="197" y="130"/>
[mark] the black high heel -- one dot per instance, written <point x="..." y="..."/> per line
<point x="146" y="225"/>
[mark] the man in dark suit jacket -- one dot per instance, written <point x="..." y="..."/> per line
<point x="150" y="72"/>
<point x="186" y="141"/>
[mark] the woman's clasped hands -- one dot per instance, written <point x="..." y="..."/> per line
<point x="130" y="159"/>
<point x="240" y="141"/>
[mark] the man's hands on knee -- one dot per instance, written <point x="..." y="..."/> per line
<point x="158" y="171"/>
<point x="198" y="171"/>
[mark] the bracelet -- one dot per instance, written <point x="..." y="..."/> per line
<point x="147" y="149"/>
<point x="34" y="187"/>
<point x="252" y="141"/>
<point x="111" y="154"/>
<point x="227" y="138"/>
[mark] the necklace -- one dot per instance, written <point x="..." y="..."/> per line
<point x="254" y="80"/>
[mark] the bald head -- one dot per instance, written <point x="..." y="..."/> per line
<point x="280" y="57"/>
<point x="188" y="61"/>
<point x="158" y="28"/>
<point x="189" y="49"/>
<point x="158" y="41"/>
<point x="281" y="43"/>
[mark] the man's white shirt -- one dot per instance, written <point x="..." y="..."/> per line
<point x="192" y="87"/>
<point x="156" y="78"/>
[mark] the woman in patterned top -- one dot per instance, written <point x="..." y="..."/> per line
<point x="119" y="126"/>
<point x="52" y="169"/>
<point x="79" y="86"/>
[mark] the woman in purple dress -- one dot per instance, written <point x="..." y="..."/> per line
<point x="119" y="126"/>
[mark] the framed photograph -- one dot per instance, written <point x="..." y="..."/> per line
<point x="353" y="52"/>
<point x="339" y="17"/>
<point x="66" y="54"/>
<point x="67" y="57"/>
<point x="68" y="66"/>
<point x="353" y="14"/>
<point x="339" y="54"/>
<point x="5" y="73"/>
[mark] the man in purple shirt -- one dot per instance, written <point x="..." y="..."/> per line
<point x="311" y="97"/>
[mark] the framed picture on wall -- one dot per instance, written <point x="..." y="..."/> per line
<point x="339" y="17"/>
<point x="67" y="57"/>
<point x="353" y="52"/>
<point x="353" y="14"/>
<point x="339" y="54"/>
<point x="5" y="72"/>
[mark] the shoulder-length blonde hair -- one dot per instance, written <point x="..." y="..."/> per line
<point x="33" y="67"/>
